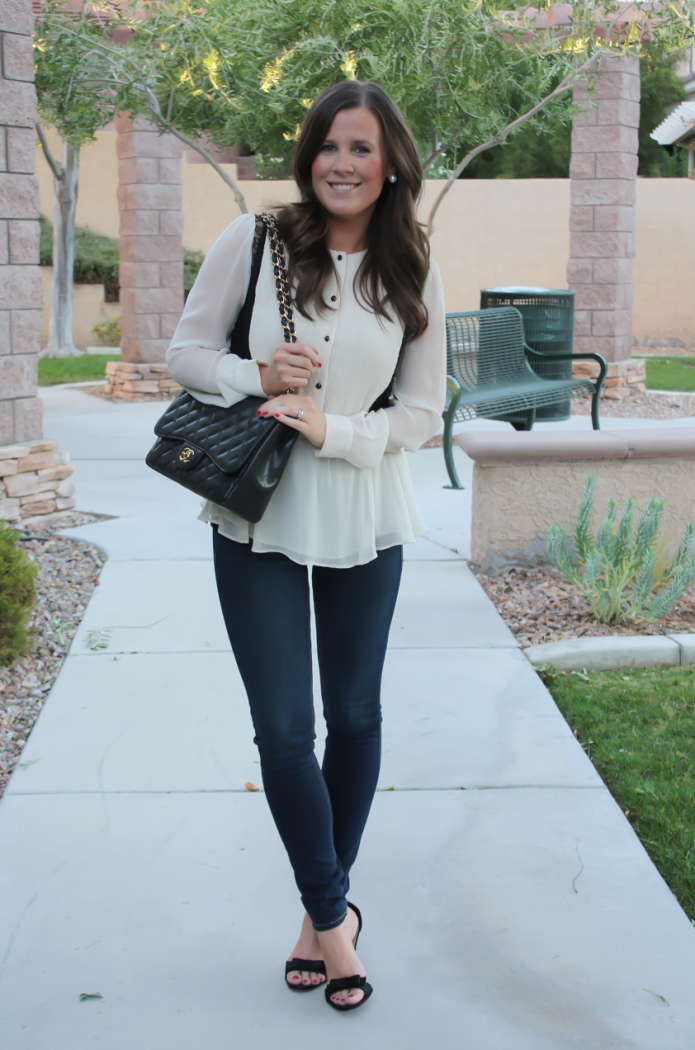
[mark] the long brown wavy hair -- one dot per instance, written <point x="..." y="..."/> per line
<point x="394" y="269"/>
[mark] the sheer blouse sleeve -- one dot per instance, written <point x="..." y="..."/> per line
<point x="199" y="357"/>
<point x="419" y="389"/>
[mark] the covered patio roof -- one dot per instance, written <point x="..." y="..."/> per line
<point x="678" y="129"/>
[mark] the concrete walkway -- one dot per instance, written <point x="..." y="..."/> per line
<point x="507" y="903"/>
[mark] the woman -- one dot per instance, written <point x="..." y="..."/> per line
<point x="367" y="303"/>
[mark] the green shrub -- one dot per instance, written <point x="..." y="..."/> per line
<point x="107" y="332"/>
<point x="45" y="242"/>
<point x="96" y="260"/>
<point x="192" y="261"/>
<point x="622" y="572"/>
<point x="17" y="596"/>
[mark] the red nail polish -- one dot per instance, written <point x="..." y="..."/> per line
<point x="259" y="412"/>
<point x="277" y="415"/>
<point x="319" y="364"/>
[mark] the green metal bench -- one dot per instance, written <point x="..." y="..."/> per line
<point x="489" y="375"/>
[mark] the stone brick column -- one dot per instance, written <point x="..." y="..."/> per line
<point x="603" y="170"/>
<point x="20" y="278"/>
<point x="150" y="247"/>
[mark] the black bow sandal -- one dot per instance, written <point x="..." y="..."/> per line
<point x="343" y="983"/>
<point x="312" y="965"/>
<point x="358" y="913"/>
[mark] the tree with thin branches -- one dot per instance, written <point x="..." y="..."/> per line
<point x="467" y="74"/>
<point x="97" y="62"/>
<point x="76" y="113"/>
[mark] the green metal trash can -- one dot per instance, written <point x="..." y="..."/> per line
<point x="548" y="315"/>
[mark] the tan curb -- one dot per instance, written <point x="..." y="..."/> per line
<point x="612" y="653"/>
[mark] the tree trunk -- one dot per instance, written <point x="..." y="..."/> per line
<point x="60" y="341"/>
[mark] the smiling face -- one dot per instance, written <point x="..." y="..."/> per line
<point x="348" y="172"/>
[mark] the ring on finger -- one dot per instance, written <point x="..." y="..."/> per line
<point x="300" y="414"/>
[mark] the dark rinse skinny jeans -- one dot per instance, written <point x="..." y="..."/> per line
<point x="319" y="812"/>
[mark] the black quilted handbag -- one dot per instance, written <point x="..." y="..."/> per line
<point x="231" y="456"/>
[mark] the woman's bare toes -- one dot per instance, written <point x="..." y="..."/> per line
<point x="348" y="998"/>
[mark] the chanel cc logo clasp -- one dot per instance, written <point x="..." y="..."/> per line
<point x="185" y="454"/>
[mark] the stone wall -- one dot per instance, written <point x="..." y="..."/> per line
<point x="603" y="171"/>
<point x="132" y="382"/>
<point x="20" y="277"/>
<point x="34" y="481"/>
<point x="150" y="245"/>
<point x="622" y="378"/>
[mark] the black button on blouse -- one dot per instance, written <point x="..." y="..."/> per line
<point x="318" y="386"/>
<point x="339" y="258"/>
<point x="327" y="338"/>
<point x="333" y="298"/>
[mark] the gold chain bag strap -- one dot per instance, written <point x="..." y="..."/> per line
<point x="282" y="288"/>
<point x="229" y="455"/>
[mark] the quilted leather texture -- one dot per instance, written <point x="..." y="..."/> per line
<point x="227" y="455"/>
<point x="227" y="435"/>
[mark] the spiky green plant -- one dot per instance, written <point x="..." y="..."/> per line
<point x="622" y="572"/>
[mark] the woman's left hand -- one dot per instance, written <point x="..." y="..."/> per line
<point x="285" y="407"/>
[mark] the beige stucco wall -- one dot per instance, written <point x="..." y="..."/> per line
<point x="513" y="506"/>
<point x="88" y="307"/>
<point x="97" y="204"/>
<point x="209" y="205"/>
<point x="489" y="232"/>
<point x="664" y="269"/>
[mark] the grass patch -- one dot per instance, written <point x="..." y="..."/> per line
<point x="54" y="370"/>
<point x="638" y="728"/>
<point x="671" y="373"/>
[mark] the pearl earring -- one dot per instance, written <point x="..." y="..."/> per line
<point x="392" y="178"/>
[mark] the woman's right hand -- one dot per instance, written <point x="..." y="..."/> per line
<point x="292" y="367"/>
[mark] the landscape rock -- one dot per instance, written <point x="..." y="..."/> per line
<point x="137" y="382"/>
<point x="34" y="480"/>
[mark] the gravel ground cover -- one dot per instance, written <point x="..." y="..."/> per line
<point x="68" y="573"/>
<point x="640" y="406"/>
<point x="539" y="605"/>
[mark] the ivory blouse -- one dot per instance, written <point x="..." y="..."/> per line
<point x="336" y="506"/>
